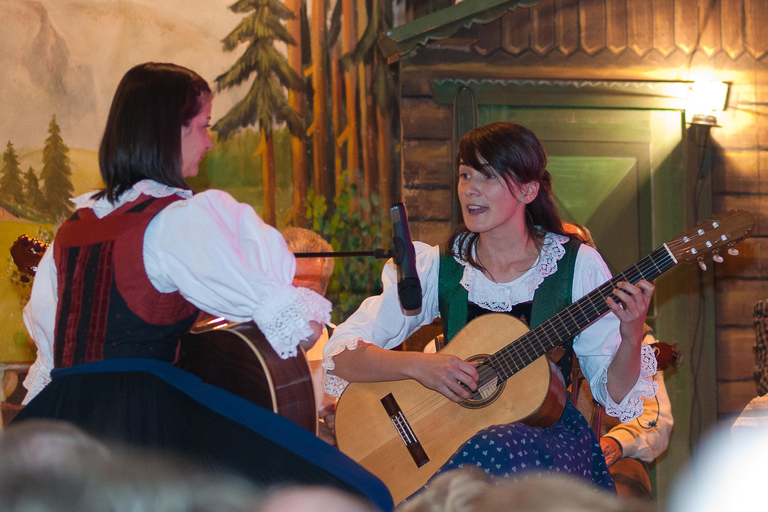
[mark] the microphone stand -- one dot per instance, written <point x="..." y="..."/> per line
<point x="376" y="253"/>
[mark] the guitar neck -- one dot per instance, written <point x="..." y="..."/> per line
<point x="578" y="316"/>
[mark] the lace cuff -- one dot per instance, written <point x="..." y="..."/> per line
<point x="38" y="377"/>
<point x="288" y="324"/>
<point x="632" y="405"/>
<point x="333" y="384"/>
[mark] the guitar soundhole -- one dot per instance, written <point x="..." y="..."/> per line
<point x="488" y="389"/>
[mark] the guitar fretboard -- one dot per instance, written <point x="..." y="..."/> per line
<point x="575" y="318"/>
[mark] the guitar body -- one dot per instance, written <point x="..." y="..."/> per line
<point x="236" y="357"/>
<point x="365" y="432"/>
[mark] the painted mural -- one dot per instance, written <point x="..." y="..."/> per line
<point x="301" y="117"/>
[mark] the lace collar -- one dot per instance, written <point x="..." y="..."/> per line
<point x="501" y="297"/>
<point x="102" y="207"/>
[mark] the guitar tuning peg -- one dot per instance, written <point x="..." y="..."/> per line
<point x="703" y="265"/>
<point x="717" y="258"/>
<point x="733" y="251"/>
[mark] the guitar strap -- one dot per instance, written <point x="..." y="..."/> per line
<point x="550" y="297"/>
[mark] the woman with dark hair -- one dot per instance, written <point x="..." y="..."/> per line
<point x="512" y="244"/>
<point x="132" y="268"/>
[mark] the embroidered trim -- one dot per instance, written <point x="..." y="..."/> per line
<point x="288" y="323"/>
<point x="102" y="207"/>
<point x="632" y="405"/>
<point x="501" y="297"/>
<point x="333" y="384"/>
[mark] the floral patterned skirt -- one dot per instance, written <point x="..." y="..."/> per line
<point x="518" y="451"/>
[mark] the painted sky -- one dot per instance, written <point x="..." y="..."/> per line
<point x="65" y="57"/>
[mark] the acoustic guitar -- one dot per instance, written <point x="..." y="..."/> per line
<point x="403" y="432"/>
<point x="233" y="356"/>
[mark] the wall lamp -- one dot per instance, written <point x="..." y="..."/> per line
<point x="706" y="100"/>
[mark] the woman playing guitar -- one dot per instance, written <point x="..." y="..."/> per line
<point x="130" y="270"/>
<point x="511" y="256"/>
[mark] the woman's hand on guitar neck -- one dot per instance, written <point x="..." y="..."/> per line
<point x="635" y="300"/>
<point x="445" y="374"/>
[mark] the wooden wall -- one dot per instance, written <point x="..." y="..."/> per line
<point x="618" y="40"/>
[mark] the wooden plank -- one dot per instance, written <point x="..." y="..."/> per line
<point x="515" y="31"/>
<point x="756" y="19"/>
<point x="566" y="26"/>
<point x="709" y="21"/>
<point x="751" y="262"/>
<point x="489" y="38"/>
<point x="422" y="118"/>
<point x="735" y="300"/>
<point x="640" y="26"/>
<point x="755" y="203"/>
<point x="663" y="27"/>
<point x="543" y="27"/>
<point x="592" y="24"/>
<point x="616" y="25"/>
<point x="430" y="232"/>
<point x="735" y="171"/>
<point x="735" y="353"/>
<point x="427" y="163"/>
<point x="733" y="397"/>
<point x="732" y="27"/>
<point x="686" y="25"/>
<point x="426" y="204"/>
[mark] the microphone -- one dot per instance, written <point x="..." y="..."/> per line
<point x="404" y="256"/>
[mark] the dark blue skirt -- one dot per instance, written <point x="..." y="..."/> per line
<point x="518" y="451"/>
<point x="152" y="404"/>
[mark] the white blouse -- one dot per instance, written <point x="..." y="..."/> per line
<point x="218" y="253"/>
<point x="380" y="319"/>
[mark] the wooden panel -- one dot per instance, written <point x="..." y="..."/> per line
<point x="430" y="232"/>
<point x="735" y="299"/>
<point x="735" y="171"/>
<point x="489" y="38"/>
<point x="422" y="118"/>
<point x="566" y="26"/>
<point x="686" y="25"/>
<point x="427" y="163"/>
<point x="543" y="27"/>
<point x="733" y="397"/>
<point x="751" y="262"/>
<point x="756" y="18"/>
<point x="754" y="203"/>
<point x="616" y="25"/>
<point x="515" y="31"/>
<point x="426" y="204"/>
<point x="731" y="25"/>
<point x="735" y="353"/>
<point x="592" y="24"/>
<point x="709" y="21"/>
<point x="640" y="26"/>
<point x="663" y="26"/>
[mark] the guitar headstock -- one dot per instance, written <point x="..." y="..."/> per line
<point x="26" y="253"/>
<point x="720" y="231"/>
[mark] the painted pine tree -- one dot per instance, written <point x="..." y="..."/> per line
<point x="11" y="187"/>
<point x="266" y="102"/>
<point x="33" y="195"/>
<point x="57" y="174"/>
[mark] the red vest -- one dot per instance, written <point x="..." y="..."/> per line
<point x="107" y="307"/>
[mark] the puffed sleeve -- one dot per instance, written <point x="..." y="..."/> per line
<point x="381" y="320"/>
<point x="598" y="343"/>
<point x="223" y="258"/>
<point x="40" y="320"/>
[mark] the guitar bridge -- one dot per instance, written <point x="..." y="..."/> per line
<point x="404" y="430"/>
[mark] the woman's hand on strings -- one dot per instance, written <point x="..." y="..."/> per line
<point x="445" y="374"/>
<point x="631" y="312"/>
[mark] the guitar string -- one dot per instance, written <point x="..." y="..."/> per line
<point x="571" y="319"/>
<point x="570" y="324"/>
